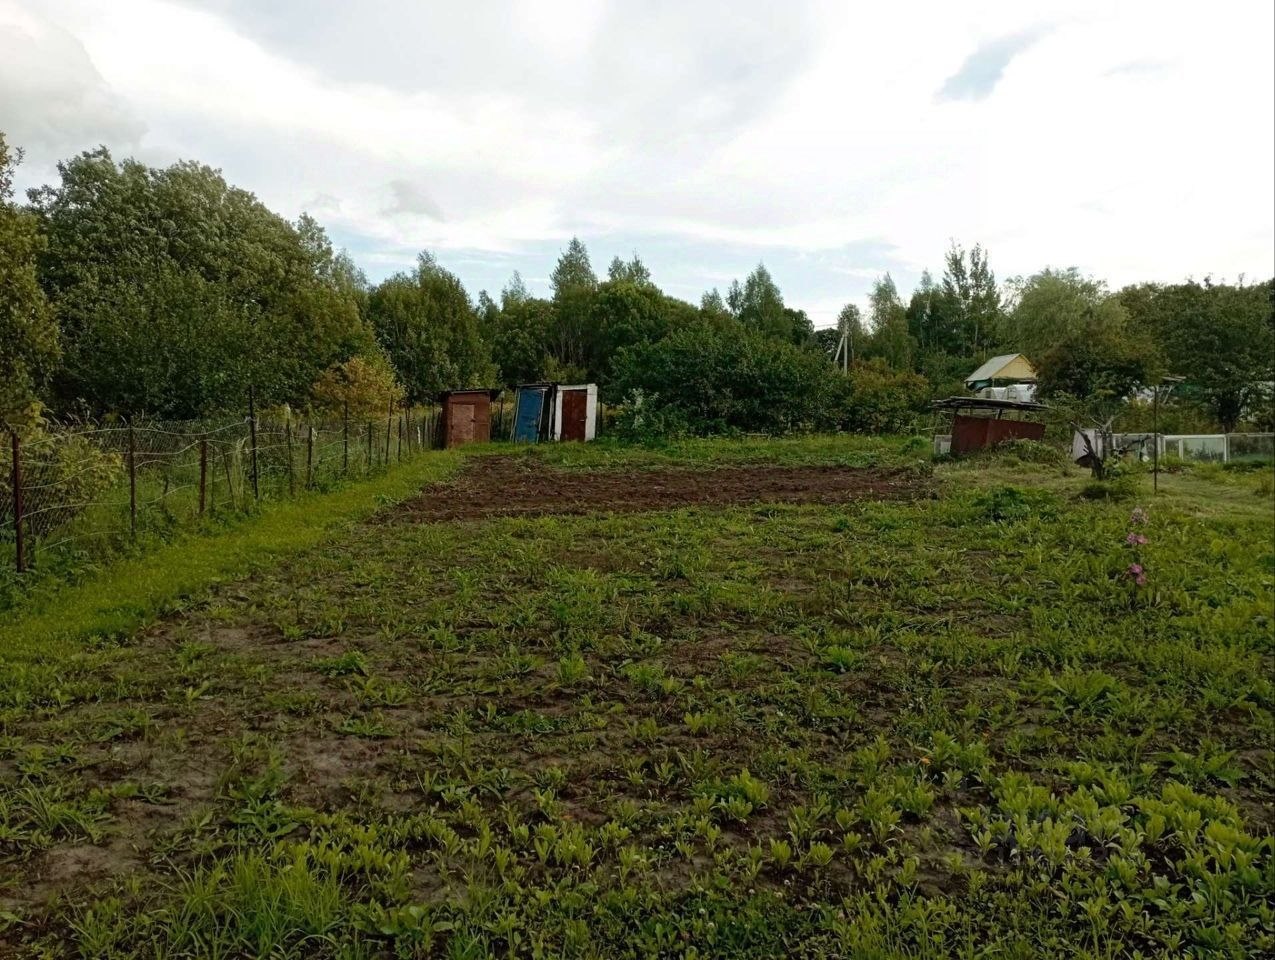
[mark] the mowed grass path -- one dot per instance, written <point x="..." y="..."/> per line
<point x="942" y="726"/>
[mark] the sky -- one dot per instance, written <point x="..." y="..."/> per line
<point x="833" y="141"/>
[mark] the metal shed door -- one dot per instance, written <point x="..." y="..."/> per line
<point x="462" y="424"/>
<point x="527" y="424"/>
<point x="575" y="405"/>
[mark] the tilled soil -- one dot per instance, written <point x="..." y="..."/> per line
<point x="504" y="486"/>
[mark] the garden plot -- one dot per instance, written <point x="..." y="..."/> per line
<point x="881" y="725"/>
<point x="495" y="486"/>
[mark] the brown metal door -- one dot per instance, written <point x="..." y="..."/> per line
<point x="462" y="424"/>
<point x="575" y="405"/>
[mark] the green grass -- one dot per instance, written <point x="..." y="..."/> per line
<point x="132" y="591"/>
<point x="948" y="726"/>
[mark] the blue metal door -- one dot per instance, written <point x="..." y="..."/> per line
<point x="527" y="417"/>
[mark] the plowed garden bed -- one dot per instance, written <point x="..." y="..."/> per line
<point x="494" y="486"/>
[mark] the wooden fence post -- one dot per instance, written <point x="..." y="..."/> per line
<point x="203" y="473"/>
<point x="287" y="432"/>
<point x="252" y="431"/>
<point x="389" y="423"/>
<point x="132" y="481"/>
<point x="400" y="438"/>
<point x="18" y="536"/>
<point x="345" y="441"/>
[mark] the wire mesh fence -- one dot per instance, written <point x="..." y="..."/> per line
<point x="75" y="491"/>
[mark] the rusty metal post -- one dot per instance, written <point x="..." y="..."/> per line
<point x="309" y="456"/>
<point x="287" y="432"/>
<point x="252" y="430"/>
<point x="203" y="473"/>
<point x="132" y="481"/>
<point x="18" y="536"/>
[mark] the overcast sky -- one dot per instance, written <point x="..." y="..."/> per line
<point x="832" y="140"/>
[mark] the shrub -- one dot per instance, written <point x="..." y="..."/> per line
<point x="705" y="379"/>
<point x="366" y="383"/>
<point x="878" y="399"/>
<point x="1010" y="504"/>
<point x="65" y="469"/>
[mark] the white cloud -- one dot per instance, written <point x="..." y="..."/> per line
<point x="1134" y="140"/>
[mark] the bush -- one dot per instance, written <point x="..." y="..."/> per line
<point x="367" y="384"/>
<point x="1122" y="487"/>
<point x="68" y="471"/>
<point x="879" y="399"/>
<point x="705" y="380"/>
<point x="1010" y="504"/>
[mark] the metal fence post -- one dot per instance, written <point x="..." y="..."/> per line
<point x="309" y="456"/>
<point x="400" y="439"/>
<point x="132" y="481"/>
<point x="287" y="432"/>
<point x="203" y="473"/>
<point x="369" y="447"/>
<point x="18" y="537"/>
<point x="252" y="431"/>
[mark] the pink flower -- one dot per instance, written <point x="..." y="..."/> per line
<point x="1135" y="570"/>
<point x="1138" y="516"/>
<point x="1140" y="579"/>
<point x="1136" y="540"/>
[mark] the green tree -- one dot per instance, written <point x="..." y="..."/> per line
<point x="626" y="313"/>
<point x="28" y="332"/>
<point x="175" y="291"/>
<point x="759" y="306"/>
<point x="634" y="271"/>
<point x="890" y="338"/>
<point x="1052" y="305"/>
<point x="713" y="309"/>
<point x="1218" y="336"/>
<point x="429" y="329"/>
<point x="971" y="302"/>
<point x="705" y="379"/>
<point x="574" y="285"/>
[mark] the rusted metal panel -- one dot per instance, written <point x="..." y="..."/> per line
<point x="977" y="433"/>
<point x="574" y="417"/>
<point x="466" y="417"/>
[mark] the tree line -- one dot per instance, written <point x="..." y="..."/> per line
<point x="130" y="290"/>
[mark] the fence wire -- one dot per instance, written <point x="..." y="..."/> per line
<point x="82" y="489"/>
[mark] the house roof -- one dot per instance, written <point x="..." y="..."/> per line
<point x="1010" y="366"/>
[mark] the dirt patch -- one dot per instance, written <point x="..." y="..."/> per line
<point x="514" y="486"/>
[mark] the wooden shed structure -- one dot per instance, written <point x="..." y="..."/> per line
<point x="466" y="417"/>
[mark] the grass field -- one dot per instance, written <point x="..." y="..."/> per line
<point x="810" y="698"/>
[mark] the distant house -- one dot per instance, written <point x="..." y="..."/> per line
<point x="1007" y="377"/>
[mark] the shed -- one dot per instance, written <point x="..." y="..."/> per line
<point x="575" y="412"/>
<point x="466" y="416"/>
<point x="533" y="412"/>
<point x="998" y="371"/>
<point x="971" y="432"/>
